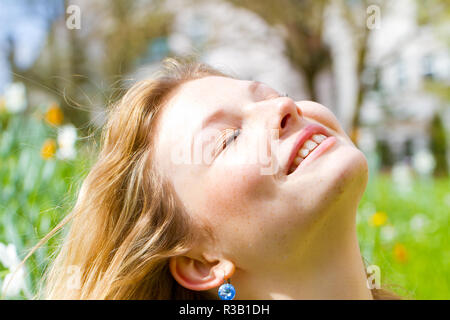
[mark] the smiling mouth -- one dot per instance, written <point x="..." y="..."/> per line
<point x="309" y="139"/>
<point x="306" y="150"/>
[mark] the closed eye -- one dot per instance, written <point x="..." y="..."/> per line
<point x="226" y="138"/>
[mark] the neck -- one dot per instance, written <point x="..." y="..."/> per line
<point x="328" y="266"/>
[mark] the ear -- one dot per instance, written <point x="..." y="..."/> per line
<point x="199" y="275"/>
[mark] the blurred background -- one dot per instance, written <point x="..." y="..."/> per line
<point x="382" y="67"/>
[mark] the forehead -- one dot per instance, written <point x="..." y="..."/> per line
<point x="210" y="91"/>
<point x="195" y="99"/>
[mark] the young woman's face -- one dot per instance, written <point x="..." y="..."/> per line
<point x="246" y="193"/>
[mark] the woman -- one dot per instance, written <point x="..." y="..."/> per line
<point x="171" y="209"/>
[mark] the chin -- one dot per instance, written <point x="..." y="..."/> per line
<point x="352" y="172"/>
<point x="343" y="176"/>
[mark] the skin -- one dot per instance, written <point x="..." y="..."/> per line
<point x="276" y="236"/>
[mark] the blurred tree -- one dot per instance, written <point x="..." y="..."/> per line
<point x="409" y="148"/>
<point x="386" y="156"/>
<point x="439" y="145"/>
<point x="302" y="22"/>
<point x="86" y="66"/>
<point x="356" y="16"/>
<point x="134" y="28"/>
<point x="436" y="15"/>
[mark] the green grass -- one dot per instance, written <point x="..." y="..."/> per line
<point x="425" y="273"/>
<point x="37" y="193"/>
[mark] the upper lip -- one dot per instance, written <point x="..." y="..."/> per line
<point x="304" y="135"/>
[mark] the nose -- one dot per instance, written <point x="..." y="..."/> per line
<point x="281" y="114"/>
<point x="287" y="115"/>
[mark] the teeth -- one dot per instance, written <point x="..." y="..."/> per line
<point x="303" y="152"/>
<point x="318" y="138"/>
<point x="309" y="144"/>
<point x="297" y="160"/>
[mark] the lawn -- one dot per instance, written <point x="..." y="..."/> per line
<point x="405" y="233"/>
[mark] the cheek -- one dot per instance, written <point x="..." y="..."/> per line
<point x="242" y="208"/>
<point x="231" y="190"/>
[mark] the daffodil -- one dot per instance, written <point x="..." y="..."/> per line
<point x="378" y="219"/>
<point x="400" y="253"/>
<point x="54" y="115"/>
<point x="48" y="149"/>
<point x="14" y="281"/>
<point x="67" y="136"/>
<point x="15" y="97"/>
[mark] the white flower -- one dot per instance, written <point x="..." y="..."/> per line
<point x="8" y="255"/>
<point x="67" y="136"/>
<point x="418" y="222"/>
<point x="15" y="97"/>
<point x="402" y="178"/>
<point x="387" y="233"/>
<point x="423" y="162"/>
<point x="13" y="283"/>
<point x="447" y="199"/>
<point x="66" y="153"/>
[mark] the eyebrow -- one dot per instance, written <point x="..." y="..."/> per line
<point x="212" y="118"/>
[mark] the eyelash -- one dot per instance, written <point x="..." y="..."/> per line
<point x="224" y="141"/>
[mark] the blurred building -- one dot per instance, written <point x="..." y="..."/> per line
<point x="402" y="58"/>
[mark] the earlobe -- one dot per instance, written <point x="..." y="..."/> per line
<point x="197" y="275"/>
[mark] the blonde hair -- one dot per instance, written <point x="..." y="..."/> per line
<point x="127" y="221"/>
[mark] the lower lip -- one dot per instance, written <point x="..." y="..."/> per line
<point x="317" y="152"/>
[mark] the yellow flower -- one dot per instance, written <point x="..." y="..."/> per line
<point x="48" y="149"/>
<point x="54" y="115"/>
<point x="378" y="219"/>
<point x="400" y="253"/>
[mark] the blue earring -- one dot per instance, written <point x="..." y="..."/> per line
<point x="227" y="291"/>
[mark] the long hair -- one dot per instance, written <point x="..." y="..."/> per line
<point x="127" y="221"/>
